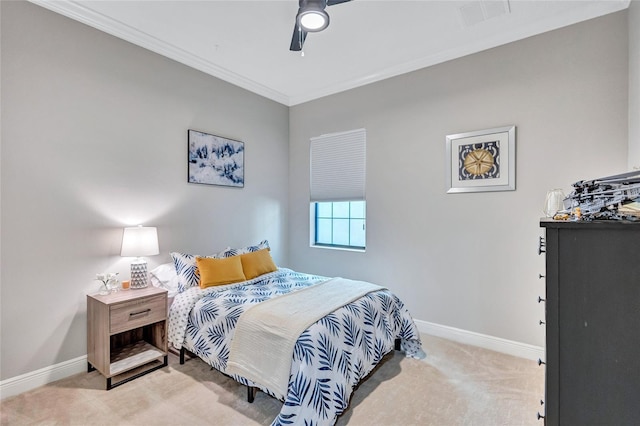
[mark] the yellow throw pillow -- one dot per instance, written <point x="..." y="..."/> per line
<point x="257" y="263"/>
<point x="219" y="271"/>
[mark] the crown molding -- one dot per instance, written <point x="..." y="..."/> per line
<point x="118" y="29"/>
<point x="552" y="23"/>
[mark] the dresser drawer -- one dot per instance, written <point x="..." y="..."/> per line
<point x="136" y="313"/>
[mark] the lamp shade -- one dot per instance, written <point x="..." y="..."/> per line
<point x="140" y="241"/>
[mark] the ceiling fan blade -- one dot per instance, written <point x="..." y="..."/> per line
<point x="332" y="2"/>
<point x="297" y="40"/>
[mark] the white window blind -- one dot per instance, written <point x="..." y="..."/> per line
<point x="338" y="166"/>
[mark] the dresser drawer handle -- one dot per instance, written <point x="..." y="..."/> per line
<point x="135" y="314"/>
<point x="542" y="244"/>
<point x="540" y="416"/>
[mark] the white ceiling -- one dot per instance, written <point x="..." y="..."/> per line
<point x="247" y="42"/>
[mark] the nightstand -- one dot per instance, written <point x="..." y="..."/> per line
<point x="127" y="333"/>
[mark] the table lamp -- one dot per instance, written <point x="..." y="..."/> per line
<point x="139" y="241"/>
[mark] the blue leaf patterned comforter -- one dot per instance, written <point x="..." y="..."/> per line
<point x="330" y="357"/>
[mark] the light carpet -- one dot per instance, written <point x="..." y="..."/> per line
<point x="456" y="384"/>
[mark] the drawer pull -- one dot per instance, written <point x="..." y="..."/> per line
<point x="136" y="314"/>
<point x="542" y="322"/>
<point x="542" y="245"/>
<point x="540" y="362"/>
<point x="540" y="299"/>
<point x="540" y="416"/>
<point x="540" y="276"/>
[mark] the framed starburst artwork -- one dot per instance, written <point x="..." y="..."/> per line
<point x="481" y="161"/>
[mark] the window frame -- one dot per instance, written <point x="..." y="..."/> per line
<point x="337" y="166"/>
<point x="313" y="220"/>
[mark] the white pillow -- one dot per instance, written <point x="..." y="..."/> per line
<point x="165" y="276"/>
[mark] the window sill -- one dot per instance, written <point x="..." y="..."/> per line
<point x="358" y="250"/>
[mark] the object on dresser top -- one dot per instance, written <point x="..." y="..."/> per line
<point x="609" y="198"/>
<point x="553" y="202"/>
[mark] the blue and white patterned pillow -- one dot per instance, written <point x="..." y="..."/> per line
<point x="187" y="269"/>
<point x="230" y="252"/>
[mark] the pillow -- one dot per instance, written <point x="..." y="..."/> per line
<point x="257" y="263"/>
<point x="219" y="271"/>
<point x="186" y="269"/>
<point x="248" y="249"/>
<point x="165" y="276"/>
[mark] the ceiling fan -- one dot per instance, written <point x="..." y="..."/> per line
<point x="311" y="18"/>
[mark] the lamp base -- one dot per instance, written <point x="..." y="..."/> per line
<point x="139" y="274"/>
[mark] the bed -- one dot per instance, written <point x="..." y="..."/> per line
<point x="329" y="358"/>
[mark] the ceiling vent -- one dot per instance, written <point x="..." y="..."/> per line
<point x="478" y="11"/>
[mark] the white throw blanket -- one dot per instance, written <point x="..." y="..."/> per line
<point x="265" y="335"/>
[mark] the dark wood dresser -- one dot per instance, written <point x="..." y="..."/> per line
<point x="592" y="323"/>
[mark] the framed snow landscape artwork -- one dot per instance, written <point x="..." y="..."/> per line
<point x="214" y="160"/>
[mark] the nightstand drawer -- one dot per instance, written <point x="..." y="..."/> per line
<point x="136" y="313"/>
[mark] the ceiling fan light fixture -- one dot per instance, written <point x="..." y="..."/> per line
<point x="313" y="19"/>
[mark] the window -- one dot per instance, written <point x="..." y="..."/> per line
<point x="340" y="224"/>
<point x="337" y="193"/>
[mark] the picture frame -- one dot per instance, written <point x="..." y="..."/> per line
<point x="481" y="161"/>
<point x="214" y="160"/>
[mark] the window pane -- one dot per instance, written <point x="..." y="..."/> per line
<point x="323" y="231"/>
<point x="324" y="209"/>
<point x="340" y="223"/>
<point x="341" y="232"/>
<point x="357" y="210"/>
<point x="341" y="209"/>
<point x="357" y="233"/>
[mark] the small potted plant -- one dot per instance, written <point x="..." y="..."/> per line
<point x="109" y="282"/>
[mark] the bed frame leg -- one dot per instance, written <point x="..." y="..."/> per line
<point x="397" y="345"/>
<point x="251" y="393"/>
<point x="184" y="351"/>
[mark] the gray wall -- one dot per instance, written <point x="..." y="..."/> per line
<point x="470" y="260"/>
<point x="93" y="139"/>
<point x="634" y="85"/>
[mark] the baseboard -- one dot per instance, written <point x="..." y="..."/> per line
<point x="497" y="344"/>
<point x="41" y="377"/>
<point x="26" y="382"/>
